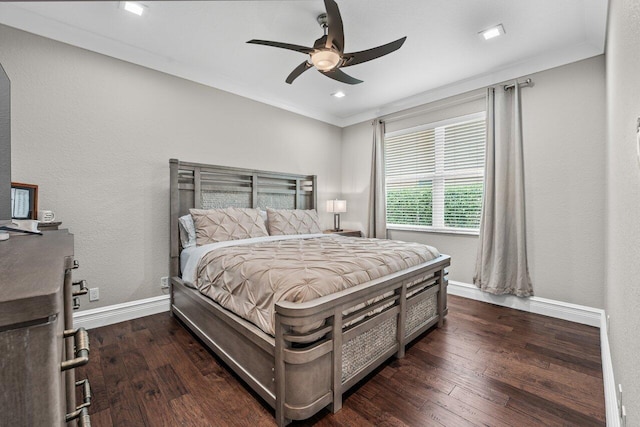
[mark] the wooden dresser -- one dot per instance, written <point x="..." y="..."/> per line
<point x="38" y="346"/>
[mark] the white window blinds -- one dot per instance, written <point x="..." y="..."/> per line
<point x="434" y="175"/>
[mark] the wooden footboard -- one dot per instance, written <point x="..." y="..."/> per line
<point x="300" y="373"/>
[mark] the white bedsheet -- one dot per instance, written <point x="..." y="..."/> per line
<point x="190" y="257"/>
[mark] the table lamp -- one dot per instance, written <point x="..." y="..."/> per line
<point x="336" y="207"/>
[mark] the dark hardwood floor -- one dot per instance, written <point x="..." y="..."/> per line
<point x="488" y="365"/>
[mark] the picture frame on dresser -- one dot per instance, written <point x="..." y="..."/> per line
<point x="24" y="200"/>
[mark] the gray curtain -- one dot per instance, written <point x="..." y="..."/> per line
<point x="377" y="201"/>
<point x="501" y="262"/>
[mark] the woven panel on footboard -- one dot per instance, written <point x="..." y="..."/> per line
<point x="421" y="313"/>
<point x="359" y="351"/>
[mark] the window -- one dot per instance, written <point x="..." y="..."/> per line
<point x="434" y="175"/>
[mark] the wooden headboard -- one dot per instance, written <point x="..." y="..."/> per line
<point x="200" y="186"/>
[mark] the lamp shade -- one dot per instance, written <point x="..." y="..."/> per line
<point x="336" y="206"/>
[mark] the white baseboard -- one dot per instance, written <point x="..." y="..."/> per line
<point x="111" y="314"/>
<point x="610" y="393"/>
<point x="547" y="307"/>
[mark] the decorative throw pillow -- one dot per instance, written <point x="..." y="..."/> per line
<point x="296" y="221"/>
<point x="219" y="225"/>
<point x="187" y="231"/>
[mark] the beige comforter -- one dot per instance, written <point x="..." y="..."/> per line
<point x="249" y="279"/>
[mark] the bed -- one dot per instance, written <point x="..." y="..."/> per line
<point x="316" y="349"/>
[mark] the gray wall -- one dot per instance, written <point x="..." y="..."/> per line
<point x="623" y="225"/>
<point x="564" y="134"/>
<point x="96" y="135"/>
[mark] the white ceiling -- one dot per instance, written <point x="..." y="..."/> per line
<point x="204" y="41"/>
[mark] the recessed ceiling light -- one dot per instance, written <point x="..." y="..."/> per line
<point x="339" y="94"/>
<point x="492" y="32"/>
<point x="133" y="7"/>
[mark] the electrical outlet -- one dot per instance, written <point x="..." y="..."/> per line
<point x="164" y="282"/>
<point x="94" y="294"/>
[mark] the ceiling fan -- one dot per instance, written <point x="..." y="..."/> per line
<point x="327" y="53"/>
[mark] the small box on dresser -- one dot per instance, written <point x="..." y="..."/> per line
<point x="35" y="313"/>
<point x="49" y="226"/>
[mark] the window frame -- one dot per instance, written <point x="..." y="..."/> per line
<point x="439" y="175"/>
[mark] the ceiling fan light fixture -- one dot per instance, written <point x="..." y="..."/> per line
<point x="327" y="54"/>
<point x="325" y="60"/>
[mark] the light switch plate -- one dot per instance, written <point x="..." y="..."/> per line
<point x="94" y="294"/>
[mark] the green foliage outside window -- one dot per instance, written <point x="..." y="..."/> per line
<point x="463" y="205"/>
<point x="412" y="206"/>
<point x="409" y="206"/>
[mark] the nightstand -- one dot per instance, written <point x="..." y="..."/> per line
<point x="351" y="233"/>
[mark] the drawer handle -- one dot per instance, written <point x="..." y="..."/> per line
<point x="82" y="412"/>
<point x="83" y="288"/>
<point x="81" y="344"/>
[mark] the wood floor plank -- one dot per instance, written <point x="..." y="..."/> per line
<point x="153" y="403"/>
<point x="122" y="395"/>
<point x="101" y="419"/>
<point x="576" y="360"/>
<point x="169" y="382"/>
<point x="495" y="410"/>
<point x="488" y="365"/>
<point x="466" y="411"/>
<point x="187" y="413"/>
<point x="470" y="361"/>
<point x="551" y="391"/>
<point x="506" y="356"/>
<point x="371" y="412"/>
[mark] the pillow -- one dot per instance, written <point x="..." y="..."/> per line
<point x="187" y="231"/>
<point x="219" y="225"/>
<point x="297" y="221"/>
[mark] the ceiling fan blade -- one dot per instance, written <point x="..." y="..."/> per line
<point x="369" y="54"/>
<point x="338" y="75"/>
<point x="295" y="47"/>
<point x="335" y="34"/>
<point x="297" y="71"/>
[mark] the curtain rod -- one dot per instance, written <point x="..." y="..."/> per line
<point x="425" y="108"/>
<point x="526" y="83"/>
<point x="416" y="111"/>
